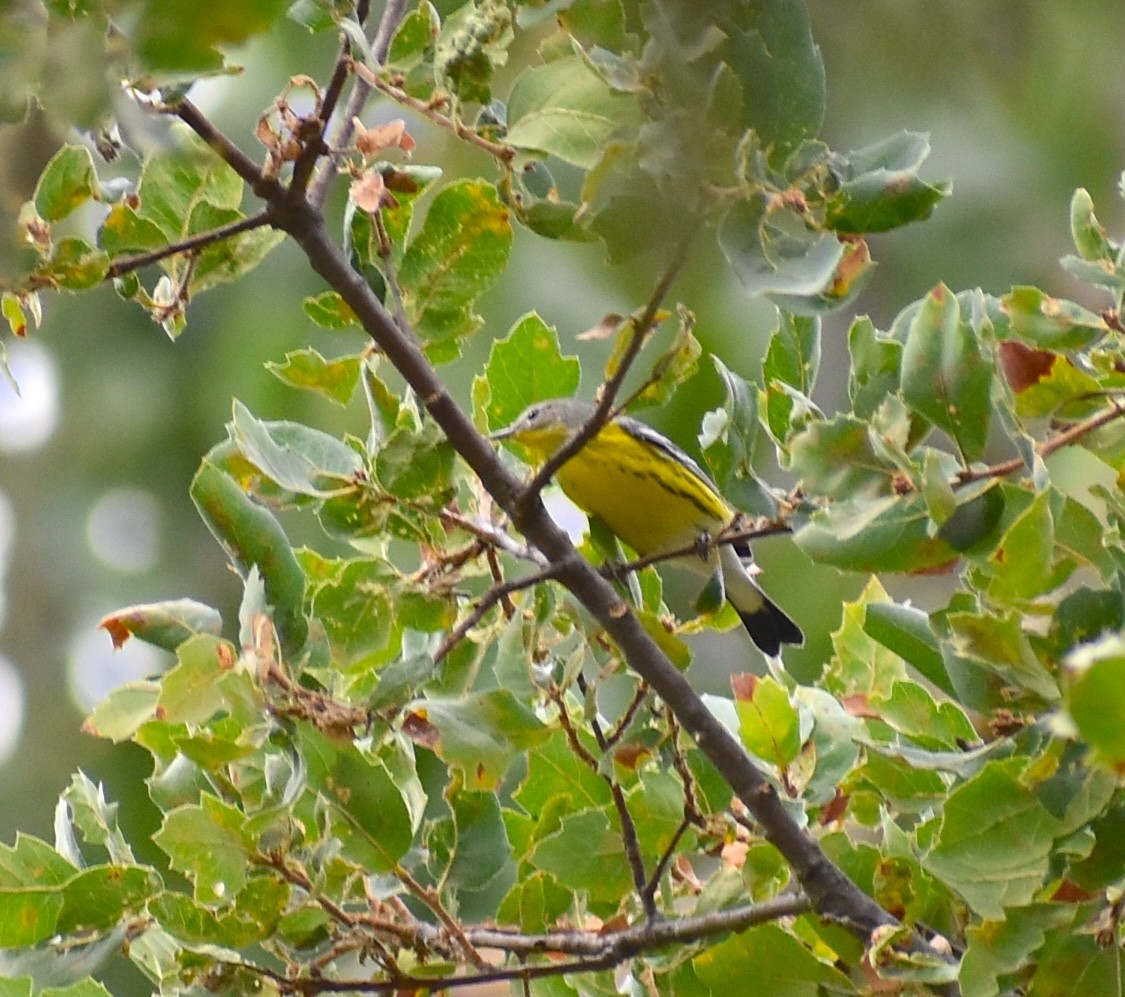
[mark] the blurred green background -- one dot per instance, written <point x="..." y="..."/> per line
<point x="1022" y="102"/>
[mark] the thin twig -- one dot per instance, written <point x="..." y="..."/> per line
<point x="428" y="109"/>
<point x="316" y="146"/>
<point x="195" y="242"/>
<point x="629" y="838"/>
<point x="594" y="950"/>
<point x="622" y="725"/>
<point x="498" y="593"/>
<point x="430" y="898"/>
<point x="604" y="410"/>
<point x="393" y="12"/>
<point x="297" y="877"/>
<point x="1045" y="449"/>
<point x="492" y="536"/>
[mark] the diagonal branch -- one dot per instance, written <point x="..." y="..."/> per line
<point x="225" y="149"/>
<point x="832" y="894"/>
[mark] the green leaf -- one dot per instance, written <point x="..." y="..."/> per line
<point x="68" y="181"/>
<point x="31" y="900"/>
<point x="1051" y="323"/>
<point x="780" y="69"/>
<point x="974" y="522"/>
<point x="768" y="952"/>
<point x="1089" y="236"/>
<point x="727" y="441"/>
<point x="124" y="231"/>
<point x="460" y="251"/>
<point x="880" y="188"/>
<point x="553" y="772"/>
<point x="481" y="733"/>
<point x="1047" y="383"/>
<point x="586" y="853"/>
<point x="481" y="850"/>
<point x="375" y="825"/>
<point x="416" y="465"/>
<point x="83" y="988"/>
<point x="768" y="723"/>
<point x="1095" y="697"/>
<point x="565" y="109"/>
<point x="175" y="183"/>
<point x="998" y="642"/>
<point x="792" y="359"/>
<point x="14" y="308"/>
<point x="355" y="605"/>
<point x="836" y="458"/>
<point x="906" y="631"/>
<point x="96" y="818"/>
<point x="253" y="538"/>
<point x="881" y="534"/>
<point x="998" y="949"/>
<point x="329" y="311"/>
<point x="163" y="624"/>
<point x="995" y="840"/>
<point x="945" y="379"/>
<point x="1084" y="615"/>
<point x="98" y="897"/>
<point x="525" y="366"/>
<point x="415" y="37"/>
<point x="207" y="842"/>
<point x="123" y="711"/>
<point x="473" y="41"/>
<point x="74" y="265"/>
<point x="334" y="379"/>
<point x="676" y="365"/>
<point x="190" y="692"/>
<point x="173" y="37"/>
<point x="1020" y="568"/>
<point x="252" y="918"/>
<point x="874" y="370"/>
<point x="298" y="458"/>
<point x="773" y="251"/>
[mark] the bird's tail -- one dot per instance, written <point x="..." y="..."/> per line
<point x="768" y="626"/>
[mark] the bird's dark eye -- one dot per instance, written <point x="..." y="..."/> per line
<point x="532" y="414"/>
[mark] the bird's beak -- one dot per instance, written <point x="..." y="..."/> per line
<point x="501" y="434"/>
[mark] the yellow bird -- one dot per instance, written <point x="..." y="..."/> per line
<point x="654" y="498"/>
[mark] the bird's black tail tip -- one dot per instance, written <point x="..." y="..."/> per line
<point x="769" y="628"/>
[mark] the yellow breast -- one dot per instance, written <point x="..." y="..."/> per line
<point x="645" y="498"/>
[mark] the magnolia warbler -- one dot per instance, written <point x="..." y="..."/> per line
<point x="653" y="497"/>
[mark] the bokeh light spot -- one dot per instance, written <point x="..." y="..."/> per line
<point x="94" y="669"/>
<point x="123" y="529"/>
<point x="28" y="419"/>
<point x="12" y="707"/>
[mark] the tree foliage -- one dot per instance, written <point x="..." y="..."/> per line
<point x="458" y="752"/>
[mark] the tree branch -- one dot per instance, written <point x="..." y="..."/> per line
<point x="831" y="893"/>
<point x="131" y="263"/>
<point x="1062" y="439"/>
<point x="393" y="12"/>
<point x="225" y="149"/>
<point x="429" y="110"/>
<point x="593" y="950"/>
